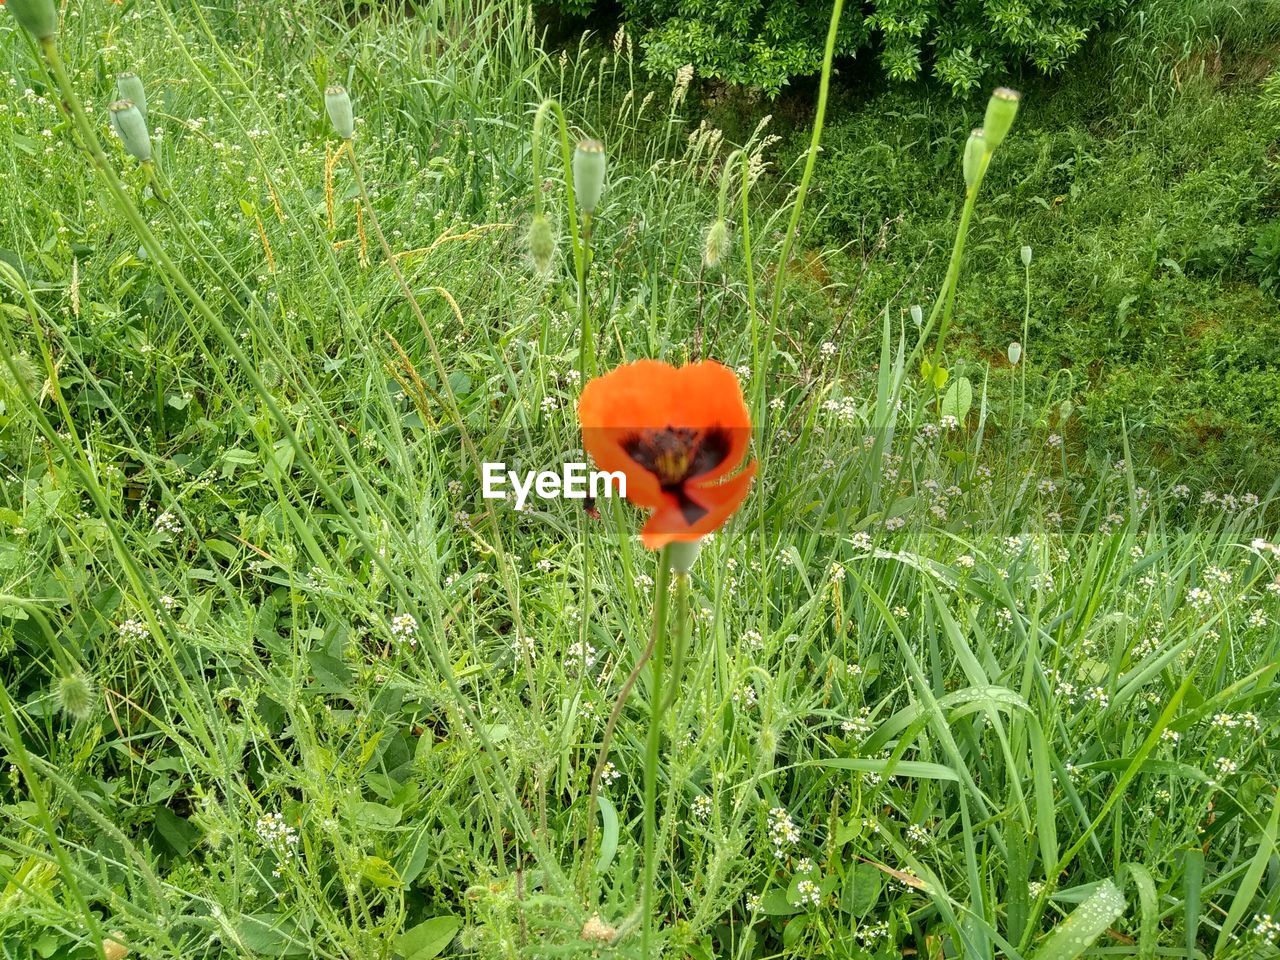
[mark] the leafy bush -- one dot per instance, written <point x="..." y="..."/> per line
<point x="1264" y="258"/>
<point x="764" y="43"/>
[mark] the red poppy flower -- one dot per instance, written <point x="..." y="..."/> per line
<point x="676" y="434"/>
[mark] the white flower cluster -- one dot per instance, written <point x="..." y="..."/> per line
<point x="404" y="629"/>
<point x="277" y="835"/>
<point x="858" y="726"/>
<point x="132" y="630"/>
<point x="168" y="523"/>
<point x="700" y="808"/>
<point x="808" y="893"/>
<point x="1266" y="928"/>
<point x="1223" y="722"/>
<point x="783" y="833"/>
<point x="581" y="654"/>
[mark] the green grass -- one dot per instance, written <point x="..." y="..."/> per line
<point x="277" y="682"/>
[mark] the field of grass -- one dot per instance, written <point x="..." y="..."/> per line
<point x="1144" y="179"/>
<point x="959" y="679"/>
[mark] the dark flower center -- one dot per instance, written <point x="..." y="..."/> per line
<point x="676" y="455"/>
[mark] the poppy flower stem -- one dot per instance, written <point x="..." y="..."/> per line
<point x="580" y="239"/>
<point x="680" y="650"/>
<point x="658" y="643"/>
<point x="582" y="263"/>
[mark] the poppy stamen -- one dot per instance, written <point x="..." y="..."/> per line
<point x="678" y="454"/>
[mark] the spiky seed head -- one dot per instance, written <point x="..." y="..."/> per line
<point x="38" y="17"/>
<point x="975" y="154"/>
<point x="131" y="128"/>
<point x="1001" y="109"/>
<point x="337" y="102"/>
<point x="718" y="244"/>
<point x="113" y="946"/>
<point x="74" y="695"/>
<point x="24" y="378"/>
<point x="129" y="87"/>
<point x="588" y="174"/>
<point x="595" y="930"/>
<point x="542" y="243"/>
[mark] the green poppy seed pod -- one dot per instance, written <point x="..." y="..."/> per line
<point x="975" y="153"/>
<point x="1026" y="256"/>
<point x="542" y="243"/>
<point x="1001" y="109"/>
<point x="718" y="244"/>
<point x="126" y="120"/>
<point x="338" y="103"/>
<point x="1015" y="353"/>
<point x="38" y="17"/>
<point x="129" y="87"/>
<point x="588" y="174"/>
<point x="917" y="314"/>
<point x="683" y="554"/>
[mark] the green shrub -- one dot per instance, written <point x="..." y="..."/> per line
<point x="1264" y="258"/>
<point x="764" y="43"/>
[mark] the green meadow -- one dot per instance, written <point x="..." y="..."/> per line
<point x="983" y="663"/>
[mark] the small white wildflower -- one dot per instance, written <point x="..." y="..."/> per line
<point x="404" y="628"/>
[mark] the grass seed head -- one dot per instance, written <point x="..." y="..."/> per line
<point x="588" y="174"/>
<point x="129" y="87"/>
<point x="595" y="930"/>
<point x="337" y="102"/>
<point x="131" y="128"/>
<point x="718" y="244"/>
<point x="1001" y="109"/>
<point x="38" y="17"/>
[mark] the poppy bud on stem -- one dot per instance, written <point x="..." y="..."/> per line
<point x="37" y="17"/>
<point x="976" y="153"/>
<point x="1001" y="109"/>
<point x="129" y="87"/>
<point x="588" y="174"/>
<point x="131" y="128"/>
<point x="683" y="554"/>
<point x="542" y="243"/>
<point x="337" y="102"/>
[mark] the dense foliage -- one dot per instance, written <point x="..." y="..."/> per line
<point x="765" y="43"/>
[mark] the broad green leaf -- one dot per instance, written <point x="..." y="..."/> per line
<point x="429" y="939"/>
<point x="609" y="833"/>
<point x="958" y="400"/>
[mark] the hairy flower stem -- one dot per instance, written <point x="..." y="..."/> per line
<point x="586" y="336"/>
<point x="606" y="740"/>
<point x="797" y="209"/>
<point x="579" y="242"/>
<point x="945" y="304"/>
<point x="658" y="643"/>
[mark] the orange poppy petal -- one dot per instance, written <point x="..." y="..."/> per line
<point x="721" y="501"/>
<point x="649" y="394"/>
